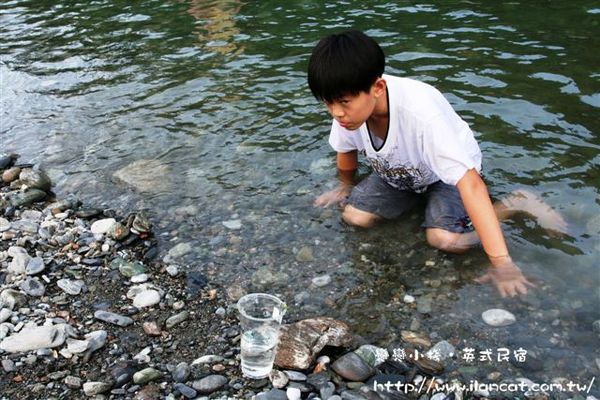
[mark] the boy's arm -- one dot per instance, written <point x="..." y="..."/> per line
<point x="505" y="274"/>
<point x="347" y="164"/>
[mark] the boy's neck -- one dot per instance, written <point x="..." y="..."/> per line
<point x="378" y="121"/>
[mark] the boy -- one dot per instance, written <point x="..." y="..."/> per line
<point x="418" y="148"/>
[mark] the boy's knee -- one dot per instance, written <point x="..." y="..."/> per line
<point x="353" y="216"/>
<point x="444" y="240"/>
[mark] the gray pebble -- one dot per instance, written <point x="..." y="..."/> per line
<point x="185" y="390"/>
<point x="33" y="287"/>
<point x="209" y="383"/>
<point x="35" y="266"/>
<point x="113" y="318"/>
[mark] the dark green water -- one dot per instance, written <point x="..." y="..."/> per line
<point x="215" y="94"/>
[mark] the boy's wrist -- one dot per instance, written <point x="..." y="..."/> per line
<point x="500" y="260"/>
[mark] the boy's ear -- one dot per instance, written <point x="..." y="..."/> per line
<point x="379" y="87"/>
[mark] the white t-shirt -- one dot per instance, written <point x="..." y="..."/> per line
<point x="426" y="141"/>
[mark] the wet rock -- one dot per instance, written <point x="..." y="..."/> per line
<point x="35" y="179"/>
<point x="172" y="270"/>
<point x="26" y="198"/>
<point x="305" y="254"/>
<point x="72" y="287"/>
<point x="209" y="383"/>
<point x="195" y="282"/>
<point x="317" y="380"/>
<point x="415" y="339"/>
<point x="33" y="287"/>
<point x="34" y="338"/>
<point x="94" y="388"/>
<point x="498" y="317"/>
<point x="113" y="318"/>
<point x="145" y="175"/>
<point x="117" y="231"/>
<point x="102" y="226"/>
<point x="177" y="252"/>
<point x="352" y="367"/>
<point x="321" y="281"/>
<point x="294" y="394"/>
<point x="128" y="268"/>
<point x="177" y="319"/>
<point x="273" y="394"/>
<point x="424" y="304"/>
<point x="327" y="390"/>
<point x="301" y="342"/>
<point x="146" y="375"/>
<point x="35" y="266"/>
<point x="372" y="355"/>
<point x="7" y="160"/>
<point x="441" y="351"/>
<point x="424" y="364"/>
<point x="122" y="373"/>
<point x="233" y="224"/>
<point x="146" y="298"/>
<point x="296" y="376"/>
<point x="11" y="174"/>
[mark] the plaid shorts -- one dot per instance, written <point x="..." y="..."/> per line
<point x="444" y="207"/>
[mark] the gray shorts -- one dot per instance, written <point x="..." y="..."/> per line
<point x="444" y="207"/>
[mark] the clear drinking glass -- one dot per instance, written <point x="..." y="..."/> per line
<point x="260" y="317"/>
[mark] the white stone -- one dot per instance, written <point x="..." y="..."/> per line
<point x="77" y="346"/>
<point x="320" y="281"/>
<point x="498" y="317"/>
<point x="94" y="388"/>
<point x="96" y="339"/>
<point x="207" y="359"/>
<point x="408" y="299"/>
<point x="5" y="314"/>
<point x="233" y="224"/>
<point x="147" y="298"/>
<point x="34" y="338"/>
<point x="102" y="226"/>
<point x="4" y="224"/>
<point x="172" y="270"/>
<point x="293" y="393"/>
<point x="139" y="278"/>
<point x="72" y="287"/>
<point x="18" y="265"/>
<point x="443" y="350"/>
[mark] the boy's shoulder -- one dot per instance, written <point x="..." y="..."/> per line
<point x="416" y="97"/>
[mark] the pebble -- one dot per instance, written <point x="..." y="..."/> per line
<point x="352" y="367"/>
<point x="8" y="365"/>
<point x="278" y="379"/>
<point x="4" y="224"/>
<point x="294" y="394"/>
<point x="181" y="372"/>
<point x="5" y="314"/>
<point x="209" y="383"/>
<point x="93" y="388"/>
<point x="146" y="298"/>
<point x="186" y="391"/>
<point x="35" y="266"/>
<point x="146" y="375"/>
<point x="72" y="287"/>
<point x="207" y="359"/>
<point x="321" y="281"/>
<point x="498" y="317"/>
<point x="113" y="318"/>
<point x="273" y="394"/>
<point x="172" y="270"/>
<point x="19" y="263"/>
<point x="151" y="328"/>
<point x="305" y="254"/>
<point x="73" y="382"/>
<point x="102" y="226"/>
<point x="295" y="376"/>
<point x="33" y="287"/>
<point x="177" y="319"/>
<point x="408" y="299"/>
<point x="442" y="350"/>
<point x="233" y="224"/>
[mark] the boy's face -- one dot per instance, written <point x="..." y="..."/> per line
<point x="351" y="111"/>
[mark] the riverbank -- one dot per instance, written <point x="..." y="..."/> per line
<point x="89" y="308"/>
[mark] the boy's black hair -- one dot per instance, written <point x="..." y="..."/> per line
<point x="345" y="63"/>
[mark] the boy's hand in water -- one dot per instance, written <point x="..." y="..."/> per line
<point x="507" y="277"/>
<point x="334" y="196"/>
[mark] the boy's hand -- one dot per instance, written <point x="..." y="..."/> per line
<point x="507" y="277"/>
<point x="334" y="196"/>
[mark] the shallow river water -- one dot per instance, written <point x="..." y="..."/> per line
<point x="199" y="113"/>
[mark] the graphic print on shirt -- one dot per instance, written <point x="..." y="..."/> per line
<point x="402" y="176"/>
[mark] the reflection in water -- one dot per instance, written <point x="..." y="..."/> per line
<point x="217" y="29"/>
